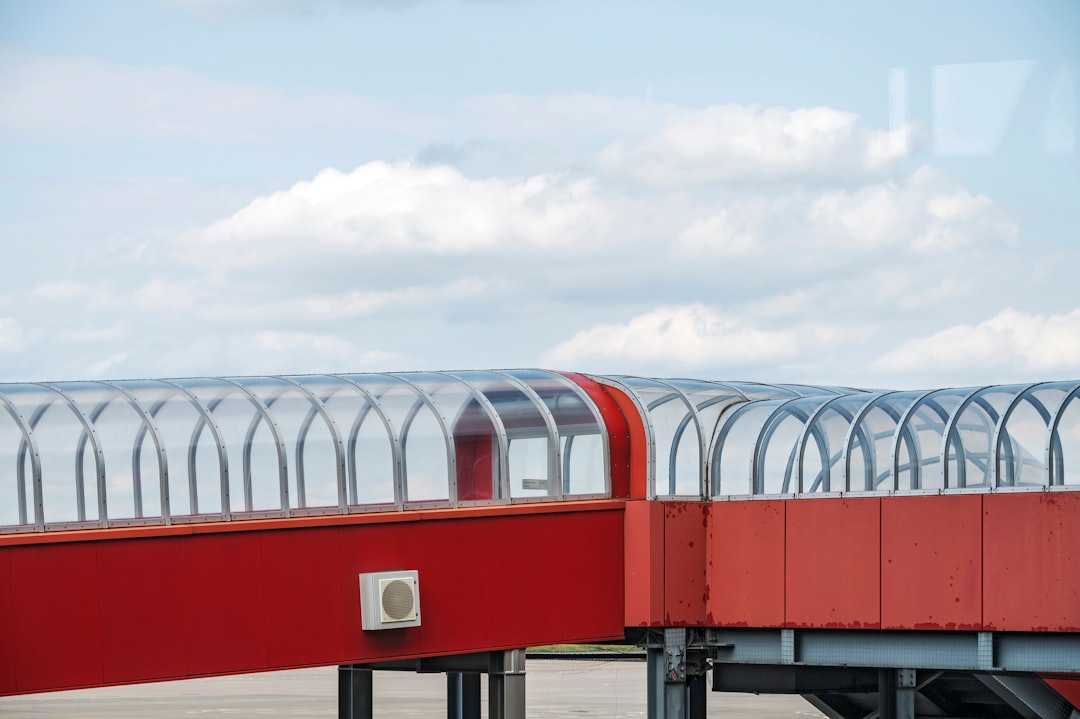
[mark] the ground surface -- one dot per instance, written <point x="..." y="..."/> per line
<point x="556" y="688"/>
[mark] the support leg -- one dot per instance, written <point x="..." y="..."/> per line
<point x="463" y="695"/>
<point x="697" y="694"/>
<point x="506" y="685"/>
<point x="355" y="698"/>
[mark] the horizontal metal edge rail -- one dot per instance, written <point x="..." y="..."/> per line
<point x="327" y="520"/>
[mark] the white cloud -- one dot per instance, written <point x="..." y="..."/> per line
<point x="746" y="142"/>
<point x="83" y="293"/>
<point x="12" y="337"/>
<point x="86" y="95"/>
<point x="725" y="233"/>
<point x="1011" y="341"/>
<point x="382" y="208"/>
<point x="927" y="213"/>
<point x="690" y="336"/>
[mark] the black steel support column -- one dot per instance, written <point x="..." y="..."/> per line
<point x="896" y="693"/>
<point x="463" y="695"/>
<point x="355" y="698"/>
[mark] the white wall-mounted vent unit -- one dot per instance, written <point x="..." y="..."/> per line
<point x="390" y="600"/>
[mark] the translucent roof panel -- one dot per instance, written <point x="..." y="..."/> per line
<point x="95" y="454"/>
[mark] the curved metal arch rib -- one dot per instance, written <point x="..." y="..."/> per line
<point x="949" y="434"/>
<point x="600" y="424"/>
<point x="869" y="481"/>
<point x="397" y="471"/>
<point x="903" y="426"/>
<point x="283" y="472"/>
<point x="646" y="423"/>
<point x="999" y="429"/>
<point x="148" y="425"/>
<point x="717" y="445"/>
<point x="1054" y="461"/>
<point x="500" y="432"/>
<point x="812" y="428"/>
<point x="319" y="407"/>
<point x="768" y="428"/>
<point x="677" y="439"/>
<point x="35" y="469"/>
<point x="423" y="398"/>
<point x="99" y="457"/>
<point x="555" y="468"/>
<point x="206" y="418"/>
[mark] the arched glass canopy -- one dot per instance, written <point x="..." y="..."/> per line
<point x="98" y="454"/>
<point x="737" y="439"/>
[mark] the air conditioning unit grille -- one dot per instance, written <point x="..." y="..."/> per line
<point x="397" y="600"/>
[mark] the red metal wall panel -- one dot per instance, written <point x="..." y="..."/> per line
<point x="1031" y="576"/>
<point x="301" y="603"/>
<point x="57" y="619"/>
<point x="833" y="565"/>
<point x="141" y="635"/>
<point x="745" y="564"/>
<point x="684" y="564"/>
<point x="931" y="562"/>
<point x="223" y="617"/>
<point x="7" y="626"/>
<point x="643" y="546"/>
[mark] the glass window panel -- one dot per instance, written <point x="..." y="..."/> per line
<point x="423" y="443"/>
<point x="57" y="430"/>
<point x="529" y="462"/>
<point x="11" y="508"/>
<point x="970" y="449"/>
<point x="779" y="445"/>
<point x="254" y="465"/>
<point x="313" y="475"/>
<point x="368" y="443"/>
<point x="584" y="468"/>
<point x="1067" y="445"/>
<point x="676" y="441"/>
<point x="734" y="446"/>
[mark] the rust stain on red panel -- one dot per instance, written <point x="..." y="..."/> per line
<point x="684" y="564"/>
<point x="833" y="563"/>
<point x="644" y="563"/>
<point x="931" y="562"/>
<point x="141" y="606"/>
<point x="58" y="625"/>
<point x="745" y="564"/>
<point x="1031" y="576"/>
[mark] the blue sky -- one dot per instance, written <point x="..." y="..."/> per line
<point x="883" y="194"/>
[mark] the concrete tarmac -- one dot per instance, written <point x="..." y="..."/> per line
<point x="555" y="688"/>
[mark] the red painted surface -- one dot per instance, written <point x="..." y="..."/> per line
<point x="644" y="551"/>
<point x="745" y="564"/>
<point x="684" y="564"/>
<point x="1031" y="576"/>
<point x="832" y="563"/>
<point x="7" y="626"/>
<point x="57" y="632"/>
<point x="132" y="611"/>
<point x="241" y="601"/>
<point x="1066" y="686"/>
<point x="931" y="562"/>
<point x="625" y="432"/>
